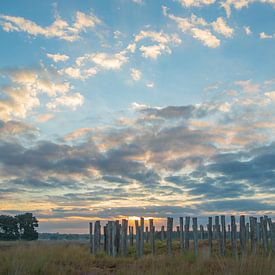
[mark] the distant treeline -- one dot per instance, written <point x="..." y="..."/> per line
<point x="19" y="227"/>
<point x="58" y="236"/>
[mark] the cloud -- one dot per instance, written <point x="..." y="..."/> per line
<point x="21" y="95"/>
<point x="195" y="3"/>
<point x="135" y="74"/>
<point x="139" y="2"/>
<point x="44" y="118"/>
<point x="70" y="101"/>
<point x="59" y="29"/>
<point x="247" y="30"/>
<point x="164" y="42"/>
<point x="270" y="95"/>
<point x="206" y="37"/>
<point x="221" y="27"/>
<point x="77" y="134"/>
<point x="58" y="57"/>
<point x="150" y="85"/>
<point x="263" y="35"/>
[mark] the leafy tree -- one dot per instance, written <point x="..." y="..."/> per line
<point x="8" y="228"/>
<point x="26" y="224"/>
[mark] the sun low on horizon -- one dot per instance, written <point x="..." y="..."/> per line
<point x="130" y="108"/>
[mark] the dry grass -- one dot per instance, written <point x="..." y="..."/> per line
<point x="53" y="258"/>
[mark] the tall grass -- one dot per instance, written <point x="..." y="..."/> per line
<point x="53" y="258"/>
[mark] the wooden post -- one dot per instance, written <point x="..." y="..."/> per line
<point x="272" y="228"/>
<point x="152" y="236"/>
<point x="218" y="233"/>
<point x="265" y="234"/>
<point x="178" y="232"/>
<point x="186" y="233"/>
<point x="223" y="247"/>
<point x="201" y="232"/>
<point x="169" y="235"/>
<point x="114" y="247"/>
<point x="210" y="236"/>
<point x="123" y="241"/>
<point x="229" y="232"/>
<point x="195" y="236"/>
<point x="131" y="233"/>
<point x="138" y="254"/>
<point x="247" y="234"/>
<point x="242" y="235"/>
<point x="234" y="236"/>
<point x="97" y="237"/>
<point x="141" y="236"/>
<point x="253" y="235"/>
<point x="117" y="236"/>
<point x="181" y="235"/>
<point x="91" y="237"/>
<point x="147" y="235"/>
<point x="105" y="238"/>
<point x="162" y="235"/>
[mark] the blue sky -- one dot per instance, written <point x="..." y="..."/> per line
<point x="142" y="107"/>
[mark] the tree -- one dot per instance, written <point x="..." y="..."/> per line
<point x="26" y="224"/>
<point x="8" y="228"/>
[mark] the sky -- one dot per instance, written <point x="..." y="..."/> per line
<point x="127" y="108"/>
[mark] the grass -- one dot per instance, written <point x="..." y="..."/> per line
<point x="60" y="257"/>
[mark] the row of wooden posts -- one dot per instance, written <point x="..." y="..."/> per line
<point x="116" y="239"/>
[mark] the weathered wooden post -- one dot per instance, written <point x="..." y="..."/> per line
<point x="91" y="237"/>
<point x="218" y="233"/>
<point x="253" y="235"/>
<point x="138" y="253"/>
<point x="123" y="241"/>
<point x="169" y="235"/>
<point x="147" y="235"/>
<point x="223" y="247"/>
<point x="272" y="228"/>
<point x="242" y="235"/>
<point x="105" y="238"/>
<point x="131" y="233"/>
<point x="265" y="234"/>
<point x="162" y="234"/>
<point x="114" y="244"/>
<point x="186" y="233"/>
<point x="117" y="236"/>
<point x="178" y="232"/>
<point x="152" y="236"/>
<point x="234" y="236"/>
<point x="229" y="232"/>
<point x="97" y="237"/>
<point x="247" y="234"/>
<point x="181" y="235"/>
<point x="210" y="236"/>
<point x="141" y="236"/>
<point x="195" y="236"/>
<point x="201" y="232"/>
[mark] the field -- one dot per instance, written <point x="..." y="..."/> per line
<point x="61" y="257"/>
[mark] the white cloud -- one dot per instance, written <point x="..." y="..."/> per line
<point x="221" y="27"/>
<point x="59" y="28"/>
<point x="164" y="42"/>
<point x="21" y="95"/>
<point x="139" y="2"/>
<point x="270" y="95"/>
<point x="203" y="34"/>
<point x="247" y="30"/>
<point x="58" y="57"/>
<point x="104" y="60"/>
<point x="71" y="101"/>
<point x="131" y="47"/>
<point x="154" y="51"/>
<point x="196" y="3"/>
<point x="206" y="37"/>
<point x="263" y="35"/>
<point x="135" y="74"/>
<point x="150" y="85"/>
<point x="248" y="86"/>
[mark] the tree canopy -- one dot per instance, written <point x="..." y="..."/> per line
<point x="19" y="227"/>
